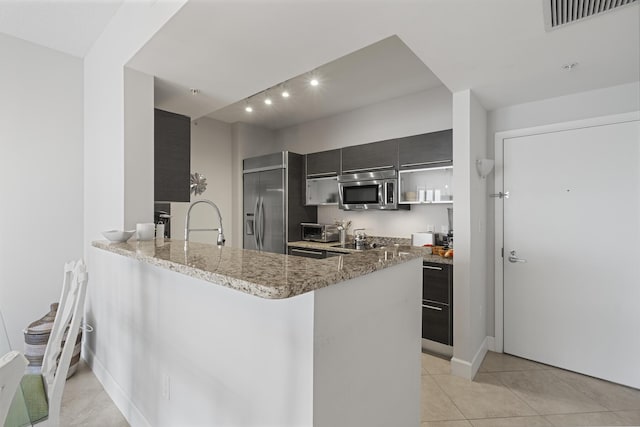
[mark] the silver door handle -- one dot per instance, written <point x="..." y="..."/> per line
<point x="430" y="307"/>
<point x="432" y="268"/>
<point x="256" y="224"/>
<point x="514" y="258"/>
<point x="262" y="223"/>
<point x="435" y="162"/>
<point x="375" y="168"/>
<point x="304" y="251"/>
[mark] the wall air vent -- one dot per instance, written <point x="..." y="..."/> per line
<point x="561" y="12"/>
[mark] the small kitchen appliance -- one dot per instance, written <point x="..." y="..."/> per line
<point x="423" y="238"/>
<point x="319" y="232"/>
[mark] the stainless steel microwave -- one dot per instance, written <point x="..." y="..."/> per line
<point x="369" y="190"/>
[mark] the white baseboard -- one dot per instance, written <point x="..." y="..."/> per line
<point x="491" y="343"/>
<point x="468" y="370"/>
<point x="131" y="413"/>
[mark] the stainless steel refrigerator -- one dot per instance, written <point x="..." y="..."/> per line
<point x="273" y="201"/>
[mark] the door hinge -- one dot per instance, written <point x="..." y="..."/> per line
<point x="502" y="252"/>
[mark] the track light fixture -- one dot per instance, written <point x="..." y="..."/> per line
<point x="311" y="78"/>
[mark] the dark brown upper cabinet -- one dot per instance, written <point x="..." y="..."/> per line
<point x="323" y="164"/>
<point x="370" y="157"/>
<point x="172" y="157"/>
<point x="428" y="150"/>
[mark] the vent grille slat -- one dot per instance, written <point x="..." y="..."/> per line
<point x="562" y="12"/>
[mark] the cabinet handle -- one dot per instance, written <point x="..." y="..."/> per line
<point x="368" y="169"/>
<point x="428" y="267"/>
<point x="303" y="251"/>
<point x="322" y="175"/>
<point x="435" y="162"/>
<point x="430" y="307"/>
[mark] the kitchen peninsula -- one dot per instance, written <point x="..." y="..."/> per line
<point x="203" y="335"/>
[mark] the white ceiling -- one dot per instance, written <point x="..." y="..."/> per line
<point x="70" y="26"/>
<point x="384" y="70"/>
<point x="231" y="49"/>
<point x="498" y="48"/>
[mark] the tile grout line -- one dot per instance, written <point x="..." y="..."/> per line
<point x="449" y="397"/>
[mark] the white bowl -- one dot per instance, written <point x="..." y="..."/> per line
<point x="118" y="235"/>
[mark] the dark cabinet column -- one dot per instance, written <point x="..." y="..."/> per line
<point x="437" y="302"/>
<point x="172" y="157"/>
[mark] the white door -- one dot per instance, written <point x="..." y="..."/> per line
<point x="573" y="214"/>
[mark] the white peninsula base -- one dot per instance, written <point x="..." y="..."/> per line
<point x="173" y="350"/>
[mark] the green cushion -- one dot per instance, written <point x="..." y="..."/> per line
<point x="35" y="400"/>
<point x="35" y="397"/>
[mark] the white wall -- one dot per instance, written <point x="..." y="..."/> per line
<point x="469" y="217"/>
<point x="108" y="192"/>
<point x="594" y="103"/>
<point x="41" y="172"/>
<point x="107" y="202"/>
<point x="210" y="156"/>
<point x="421" y="112"/>
<point x="138" y="143"/>
<point x="233" y="359"/>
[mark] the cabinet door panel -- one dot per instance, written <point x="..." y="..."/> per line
<point x="324" y="163"/>
<point x="172" y="157"/>
<point x="435" y="322"/>
<point x="427" y="150"/>
<point x="376" y="155"/>
<point x="435" y="282"/>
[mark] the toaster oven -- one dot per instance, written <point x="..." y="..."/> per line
<point x="319" y="232"/>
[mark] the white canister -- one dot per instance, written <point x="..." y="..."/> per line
<point x="429" y="195"/>
<point x="145" y="231"/>
<point x="160" y="231"/>
<point x="437" y="195"/>
<point x="421" y="195"/>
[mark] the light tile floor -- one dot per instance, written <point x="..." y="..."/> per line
<point x="85" y="403"/>
<point x="508" y="391"/>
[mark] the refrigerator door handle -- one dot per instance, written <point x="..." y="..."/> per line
<point x="262" y="224"/>
<point x="256" y="227"/>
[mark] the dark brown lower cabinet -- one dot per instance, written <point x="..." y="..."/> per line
<point x="437" y="302"/>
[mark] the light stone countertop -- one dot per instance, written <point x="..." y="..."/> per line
<point x="423" y="252"/>
<point x="262" y="274"/>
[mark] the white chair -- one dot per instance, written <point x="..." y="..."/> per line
<point x="12" y="367"/>
<point x="43" y="392"/>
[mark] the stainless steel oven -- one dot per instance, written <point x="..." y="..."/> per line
<point x="369" y="190"/>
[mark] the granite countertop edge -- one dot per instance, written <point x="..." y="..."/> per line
<point x="282" y="276"/>
<point x="424" y="252"/>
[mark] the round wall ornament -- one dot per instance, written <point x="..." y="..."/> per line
<point x="198" y="183"/>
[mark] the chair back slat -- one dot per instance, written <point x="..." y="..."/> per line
<point x="66" y="326"/>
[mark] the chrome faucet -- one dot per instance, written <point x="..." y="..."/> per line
<point x="187" y="230"/>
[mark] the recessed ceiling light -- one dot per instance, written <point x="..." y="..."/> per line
<point x="194" y="91"/>
<point x="267" y="101"/>
<point x="569" y="67"/>
<point x="285" y="93"/>
<point x="248" y="109"/>
<point x="314" y="82"/>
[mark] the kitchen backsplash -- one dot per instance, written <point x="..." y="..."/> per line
<point x="390" y="223"/>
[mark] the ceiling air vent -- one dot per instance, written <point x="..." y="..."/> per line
<point x="562" y="12"/>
